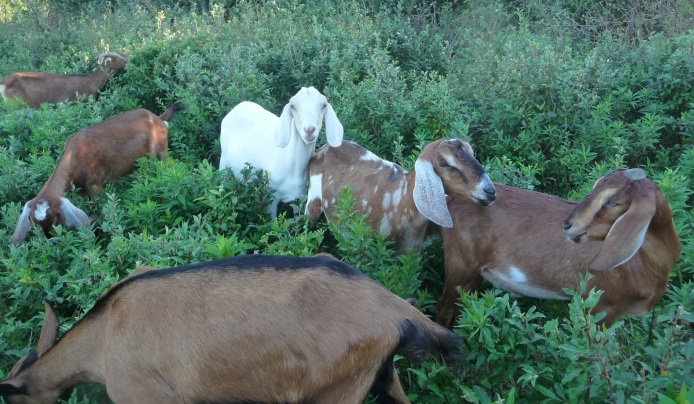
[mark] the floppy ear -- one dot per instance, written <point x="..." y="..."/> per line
<point x="626" y="235"/>
<point x="333" y="128"/>
<point x="23" y="226"/>
<point x="74" y="216"/>
<point x="49" y="331"/>
<point x="283" y="131"/>
<point x="429" y="196"/>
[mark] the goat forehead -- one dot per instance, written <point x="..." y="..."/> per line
<point x="41" y="210"/>
<point x="310" y="97"/>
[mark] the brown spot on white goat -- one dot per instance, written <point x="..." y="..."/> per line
<point x="624" y="226"/>
<point x="36" y="88"/>
<point x="92" y="156"/>
<point x="245" y="329"/>
<point x="402" y="203"/>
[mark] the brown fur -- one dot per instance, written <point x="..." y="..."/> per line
<point x="93" y="156"/>
<point x="372" y="179"/>
<point x="36" y="88"/>
<point x="524" y="229"/>
<point x="245" y="329"/>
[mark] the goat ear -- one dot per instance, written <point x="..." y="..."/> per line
<point x="23" y="226"/>
<point x="283" y="131"/>
<point x="626" y="235"/>
<point x="74" y="216"/>
<point x="49" y="331"/>
<point x="429" y="196"/>
<point x="12" y="387"/>
<point x="333" y="128"/>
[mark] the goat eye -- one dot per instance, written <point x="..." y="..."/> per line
<point x="612" y="204"/>
<point x="325" y="106"/>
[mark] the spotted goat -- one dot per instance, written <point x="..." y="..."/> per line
<point x="622" y="233"/>
<point x="400" y="204"/>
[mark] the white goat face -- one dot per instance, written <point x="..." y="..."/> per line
<point x="304" y="114"/>
<point x="308" y="108"/>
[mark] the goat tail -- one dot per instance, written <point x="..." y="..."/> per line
<point x="422" y="334"/>
<point x="171" y="111"/>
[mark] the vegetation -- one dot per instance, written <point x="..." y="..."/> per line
<point x="552" y="95"/>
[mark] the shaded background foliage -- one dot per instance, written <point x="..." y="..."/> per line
<point x="552" y="95"/>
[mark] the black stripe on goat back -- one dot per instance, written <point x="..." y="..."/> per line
<point x="242" y="263"/>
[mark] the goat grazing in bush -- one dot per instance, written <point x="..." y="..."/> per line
<point x="518" y="244"/>
<point x="36" y="88"/>
<point x="92" y="156"/>
<point x="281" y="146"/>
<point x="244" y="329"/>
<point x="399" y="204"/>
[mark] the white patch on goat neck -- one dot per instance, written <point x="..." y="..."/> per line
<point x="41" y="211"/>
<point x="315" y="191"/>
<point x="386" y="200"/>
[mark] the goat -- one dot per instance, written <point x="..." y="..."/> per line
<point x="91" y="157"/>
<point x="36" y="88"/>
<point x="399" y="204"/>
<point x="518" y="244"/>
<point x="249" y="132"/>
<point x="252" y="328"/>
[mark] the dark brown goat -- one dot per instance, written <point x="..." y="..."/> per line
<point x="518" y="244"/>
<point x="245" y="329"/>
<point x="36" y="88"/>
<point x="92" y="156"/>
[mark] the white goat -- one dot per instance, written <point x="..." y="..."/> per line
<point x="92" y="156"/>
<point x="281" y="146"/>
<point x="399" y="204"/>
<point x="36" y="88"/>
<point x="518" y="244"/>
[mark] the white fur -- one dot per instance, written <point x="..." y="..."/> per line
<point x="280" y="145"/>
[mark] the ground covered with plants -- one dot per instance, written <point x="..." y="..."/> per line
<point x="552" y="95"/>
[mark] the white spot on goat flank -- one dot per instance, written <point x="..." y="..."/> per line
<point x="386" y="200"/>
<point x="41" y="210"/>
<point x="369" y="156"/>
<point x="397" y="195"/>
<point x="385" y="227"/>
<point x="517" y="275"/>
<point x="376" y="189"/>
<point x="364" y="203"/>
<point x="315" y="190"/>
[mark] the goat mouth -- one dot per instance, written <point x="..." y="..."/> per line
<point x="483" y="202"/>
<point x="578" y="238"/>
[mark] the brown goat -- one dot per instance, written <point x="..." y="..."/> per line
<point x="399" y="204"/>
<point x="244" y="329"/>
<point x="36" y="88"/>
<point x="518" y="244"/>
<point x="92" y="156"/>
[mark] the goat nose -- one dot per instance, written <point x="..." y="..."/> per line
<point x="309" y="130"/>
<point x="566" y="226"/>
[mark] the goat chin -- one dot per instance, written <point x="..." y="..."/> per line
<point x="523" y="243"/>
<point x="400" y="205"/>
<point x="311" y="329"/>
